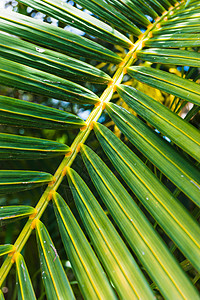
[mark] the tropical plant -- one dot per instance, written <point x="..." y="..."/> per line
<point x="136" y="235"/>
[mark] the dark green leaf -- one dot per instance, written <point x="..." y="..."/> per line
<point x="92" y="279"/>
<point x="12" y="211"/>
<point x="23" y="113"/>
<point x="132" y="11"/>
<point x="54" y="37"/>
<point x="55" y="280"/>
<point x="24" y="147"/>
<point x="170" y="56"/>
<point x="49" y="61"/>
<point x="163" y="119"/>
<point x="29" y="79"/>
<point x="70" y="15"/>
<point x="109" y="14"/>
<point x="158" y="151"/>
<point x="139" y="233"/>
<point x="123" y="271"/>
<point x="24" y="281"/>
<point x="15" y="181"/>
<point x="170" y="214"/>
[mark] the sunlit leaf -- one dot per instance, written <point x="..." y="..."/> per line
<point x="118" y="262"/>
<point x="14" y="181"/>
<point x="49" y="61"/>
<point x="170" y="56"/>
<point x="26" y="289"/>
<point x="163" y="119"/>
<point x="23" y="147"/>
<point x="139" y="233"/>
<point x="1" y="295"/>
<point x="159" y="151"/>
<point x="12" y="211"/>
<point x="90" y="275"/>
<point x="4" y="249"/>
<point x="53" y="275"/>
<point x="29" y="79"/>
<point x="76" y="18"/>
<point x="23" y="113"/>
<point x="167" y="82"/>
<point x="170" y="214"/>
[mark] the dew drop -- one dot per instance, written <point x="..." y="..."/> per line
<point x="40" y="50"/>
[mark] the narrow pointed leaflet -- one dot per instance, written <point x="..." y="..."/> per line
<point x="118" y="262"/>
<point x="137" y="230"/>
<point x="92" y="279"/>
<point x="179" y="170"/>
<point x="54" y="277"/>
<point x="18" y="112"/>
<point x="170" y="214"/>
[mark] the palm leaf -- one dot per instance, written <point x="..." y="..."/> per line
<point x="26" y="288"/>
<point x="87" y="268"/>
<point x="53" y="274"/>
<point x="128" y="222"/>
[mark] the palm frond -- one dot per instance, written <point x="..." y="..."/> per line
<point x="131" y="205"/>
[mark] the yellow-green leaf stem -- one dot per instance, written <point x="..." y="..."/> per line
<point x="129" y="59"/>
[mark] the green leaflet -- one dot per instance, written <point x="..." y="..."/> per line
<point x="167" y="82"/>
<point x="109" y="14"/>
<point x="165" y="3"/>
<point x="15" y="181"/>
<point x="23" y="113"/>
<point x="157" y="5"/>
<point x="128" y="8"/>
<point x="26" y="289"/>
<point x="182" y="21"/>
<point x="29" y="79"/>
<point x="55" y="280"/>
<point x="79" y="19"/>
<point x="170" y="56"/>
<point x="158" y="151"/>
<point x="1" y="295"/>
<point x="184" y="15"/>
<point x="15" y="211"/>
<point x="4" y="249"/>
<point x="24" y="147"/>
<point x="139" y="233"/>
<point x="49" y="61"/>
<point x="181" y="132"/>
<point x="54" y="37"/>
<point x="119" y="264"/>
<point x="182" y="27"/>
<point x="174" y="40"/>
<point x="167" y="211"/>
<point x="89" y="273"/>
<point x="145" y="7"/>
<point x="190" y="3"/>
